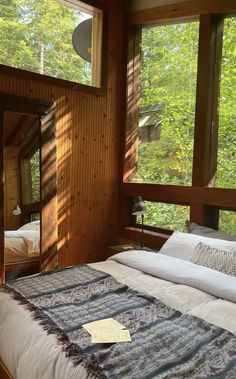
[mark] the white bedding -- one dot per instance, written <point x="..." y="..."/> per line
<point x="21" y="244"/>
<point x="181" y="271"/>
<point x="28" y="355"/>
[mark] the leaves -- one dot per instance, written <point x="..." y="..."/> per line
<point x="40" y="40"/>
<point x="168" y="78"/>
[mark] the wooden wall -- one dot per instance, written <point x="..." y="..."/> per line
<point x="88" y="135"/>
<point x="134" y="5"/>
<point x="12" y="187"/>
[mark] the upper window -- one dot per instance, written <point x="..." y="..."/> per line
<point x="167" y="103"/>
<point x="57" y="38"/>
<point x="226" y="158"/>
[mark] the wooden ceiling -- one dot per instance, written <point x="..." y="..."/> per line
<point x="16" y="127"/>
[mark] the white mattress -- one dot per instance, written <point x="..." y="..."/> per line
<point x="29" y="352"/>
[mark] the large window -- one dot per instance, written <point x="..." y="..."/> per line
<point x="226" y="160"/>
<point x="54" y="38"/>
<point x="181" y="119"/>
<point x="167" y="103"/>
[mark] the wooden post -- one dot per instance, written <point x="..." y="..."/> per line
<point x="132" y="103"/>
<point x="205" y="147"/>
<point x="206" y="119"/>
<point x="49" y="258"/>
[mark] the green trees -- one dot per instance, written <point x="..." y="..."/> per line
<point x="36" y="35"/>
<point x="35" y="176"/>
<point x="168" y="78"/>
<point x="226" y="168"/>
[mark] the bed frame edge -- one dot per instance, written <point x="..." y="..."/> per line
<point x="4" y="373"/>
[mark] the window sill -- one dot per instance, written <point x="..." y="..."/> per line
<point x="152" y="239"/>
<point x="101" y="91"/>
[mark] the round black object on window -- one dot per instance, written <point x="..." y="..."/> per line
<point x="82" y="39"/>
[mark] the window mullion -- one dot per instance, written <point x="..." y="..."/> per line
<point x="205" y="139"/>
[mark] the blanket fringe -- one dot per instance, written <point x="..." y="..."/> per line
<point x="72" y="350"/>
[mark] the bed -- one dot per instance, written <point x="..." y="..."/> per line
<point x="22" y="244"/>
<point x="22" y="250"/>
<point x="181" y="317"/>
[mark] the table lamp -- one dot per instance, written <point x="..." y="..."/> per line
<point x="139" y="208"/>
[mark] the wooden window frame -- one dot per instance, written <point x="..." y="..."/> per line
<point x="204" y="200"/>
<point x="99" y="64"/>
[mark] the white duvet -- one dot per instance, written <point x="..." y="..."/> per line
<point x="180" y="271"/>
<point x="31" y="353"/>
<point x="30" y="237"/>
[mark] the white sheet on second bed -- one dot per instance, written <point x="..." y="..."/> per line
<point x="30" y="341"/>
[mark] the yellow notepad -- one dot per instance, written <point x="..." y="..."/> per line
<point x="105" y="323"/>
<point x="110" y="336"/>
<point x="107" y="330"/>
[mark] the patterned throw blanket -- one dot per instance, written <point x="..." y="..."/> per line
<point x="165" y="343"/>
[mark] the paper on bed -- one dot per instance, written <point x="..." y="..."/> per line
<point x="108" y="323"/>
<point x="110" y="336"/>
<point x="107" y="330"/>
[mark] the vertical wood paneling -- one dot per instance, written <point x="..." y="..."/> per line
<point x="48" y="174"/>
<point x="12" y="187"/>
<point x="88" y="130"/>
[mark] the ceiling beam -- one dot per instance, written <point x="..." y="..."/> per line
<point x="15" y="132"/>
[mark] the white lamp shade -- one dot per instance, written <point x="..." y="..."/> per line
<point x="16" y="211"/>
<point x="138" y="206"/>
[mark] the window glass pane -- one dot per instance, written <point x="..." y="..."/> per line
<point x="167" y="103"/>
<point x="166" y="216"/>
<point x="34" y="217"/>
<point x="226" y="159"/>
<point x="227" y="222"/>
<point x="36" y="35"/>
<point x="35" y="176"/>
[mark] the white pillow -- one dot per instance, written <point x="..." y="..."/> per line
<point x="34" y="225"/>
<point x="182" y="245"/>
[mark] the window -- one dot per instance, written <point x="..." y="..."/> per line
<point x="37" y="36"/>
<point x="226" y="159"/>
<point x="181" y="117"/>
<point x="167" y="103"/>
<point x="227" y="222"/>
<point x="35" y="176"/>
<point x="165" y="216"/>
<point x="30" y="178"/>
<point x="34" y="217"/>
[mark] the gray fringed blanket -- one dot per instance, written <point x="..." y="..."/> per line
<point x="165" y="343"/>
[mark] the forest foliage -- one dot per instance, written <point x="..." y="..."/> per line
<point x="36" y="35"/>
<point x="168" y="78"/>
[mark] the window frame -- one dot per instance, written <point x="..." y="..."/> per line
<point x="204" y="200"/>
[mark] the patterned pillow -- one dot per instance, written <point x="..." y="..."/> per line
<point x="219" y="260"/>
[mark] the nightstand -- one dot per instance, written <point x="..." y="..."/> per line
<point x="111" y="250"/>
